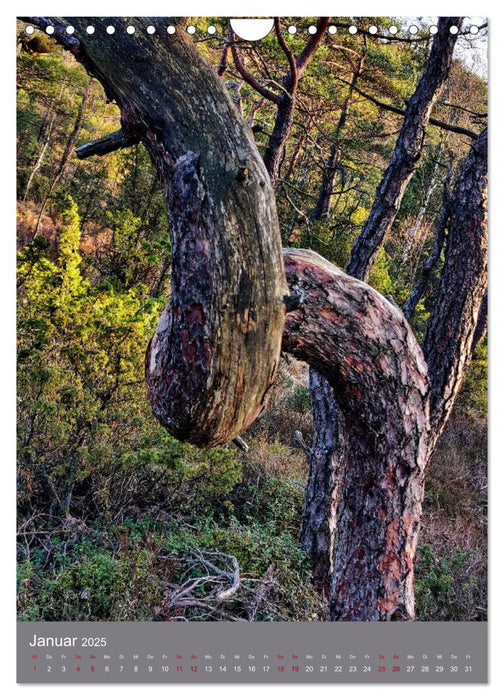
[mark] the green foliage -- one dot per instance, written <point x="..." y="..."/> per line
<point x="473" y="396"/>
<point x="80" y="352"/>
<point x="87" y="583"/>
<point x="379" y="277"/>
<point x="257" y="547"/>
<point x="445" y="589"/>
<point x="299" y="400"/>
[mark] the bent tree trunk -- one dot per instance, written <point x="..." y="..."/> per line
<point x="385" y="427"/>
<point x="213" y="357"/>
<point x="367" y="352"/>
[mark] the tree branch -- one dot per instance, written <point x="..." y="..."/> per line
<point x="248" y="77"/>
<point x="439" y="238"/>
<point x="291" y="80"/>
<point x="397" y="110"/>
<point x="106" y="144"/>
<point x="407" y="151"/>
<point x="312" y="44"/>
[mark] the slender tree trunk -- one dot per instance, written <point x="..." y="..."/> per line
<point x="70" y="144"/>
<point x="406" y="152"/>
<point x="439" y="237"/>
<point x="274" y="152"/>
<point x="323" y="206"/>
<point x="326" y="468"/>
<point x="412" y="233"/>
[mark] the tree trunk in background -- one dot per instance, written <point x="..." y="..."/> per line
<point x="70" y="144"/>
<point x="456" y="321"/>
<point x="326" y="462"/>
<point x="286" y="100"/>
<point x="407" y="151"/>
<point x="323" y="206"/>
<point x="482" y="324"/>
<point x="449" y="337"/>
<point x="214" y="355"/>
<point x="439" y="238"/>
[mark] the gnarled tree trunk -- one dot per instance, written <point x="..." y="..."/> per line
<point x="366" y="350"/>
<point x="383" y="212"/>
<point x="214" y="355"/>
<point x="385" y="424"/>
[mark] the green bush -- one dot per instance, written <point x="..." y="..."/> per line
<point x="446" y="587"/>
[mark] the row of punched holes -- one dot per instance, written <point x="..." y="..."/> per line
<point x="292" y="29"/>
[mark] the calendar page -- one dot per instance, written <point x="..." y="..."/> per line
<point x="252" y="349"/>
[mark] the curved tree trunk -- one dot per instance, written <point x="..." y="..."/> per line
<point x="359" y="477"/>
<point x="365" y="349"/>
<point x="214" y="355"/>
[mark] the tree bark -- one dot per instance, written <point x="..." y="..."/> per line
<point x="365" y="349"/>
<point x="448" y="342"/>
<point x="214" y="355"/>
<point x="323" y="206"/>
<point x="406" y="152"/>
<point x="482" y="323"/>
<point x="326" y="461"/>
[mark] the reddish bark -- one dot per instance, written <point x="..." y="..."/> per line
<point x="365" y="349"/>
